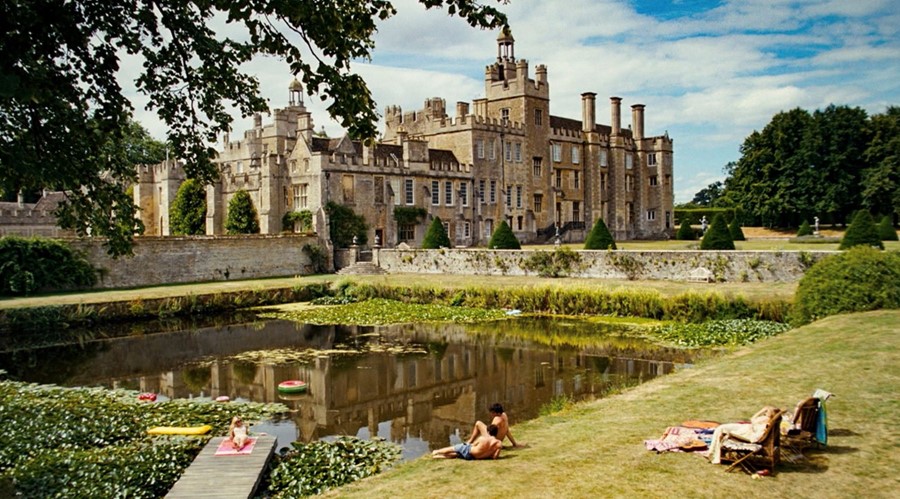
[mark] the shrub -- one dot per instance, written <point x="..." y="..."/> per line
<point x="717" y="237"/>
<point x="559" y="262"/>
<point x="859" y="279"/>
<point x="344" y="224"/>
<point x="804" y="230"/>
<point x="599" y="238"/>
<point x="685" y="231"/>
<point x="187" y="214"/>
<point x="862" y="232"/>
<point x="29" y="265"/>
<point x="292" y="219"/>
<point x="886" y="229"/>
<point x="503" y="238"/>
<point x="242" y="217"/>
<point x="735" y="230"/>
<point x="436" y="237"/>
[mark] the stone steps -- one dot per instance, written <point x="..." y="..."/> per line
<point x="362" y="268"/>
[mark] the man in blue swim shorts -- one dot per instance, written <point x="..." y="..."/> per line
<point x="485" y="446"/>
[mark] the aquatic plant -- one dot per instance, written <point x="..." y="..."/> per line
<point x="719" y="332"/>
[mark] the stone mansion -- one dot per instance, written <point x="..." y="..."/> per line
<point x="502" y="157"/>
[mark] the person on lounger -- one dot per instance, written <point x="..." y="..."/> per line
<point x="749" y="432"/>
<point x="485" y="446"/>
<point x="237" y="433"/>
<point x="499" y="419"/>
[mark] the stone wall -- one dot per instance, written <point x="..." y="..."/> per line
<point x="712" y="266"/>
<point x="168" y="260"/>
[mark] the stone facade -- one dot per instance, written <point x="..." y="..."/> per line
<point x="504" y="157"/>
<point x="32" y="219"/>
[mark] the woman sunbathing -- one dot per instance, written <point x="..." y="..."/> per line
<point x="748" y="432"/>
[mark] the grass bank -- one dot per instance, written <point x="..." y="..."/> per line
<point x="596" y="448"/>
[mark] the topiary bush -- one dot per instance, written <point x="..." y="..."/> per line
<point x="804" y="230"/>
<point x="886" y="229"/>
<point x="735" y="230"/>
<point x="30" y="265"/>
<point x="717" y="237"/>
<point x="187" y="214"/>
<point x="856" y="280"/>
<point x="242" y="217"/>
<point x="503" y="238"/>
<point x="436" y="237"/>
<point x="862" y="232"/>
<point x="599" y="238"/>
<point x="685" y="231"/>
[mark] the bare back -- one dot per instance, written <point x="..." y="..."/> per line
<point x="486" y="447"/>
<point x="502" y="423"/>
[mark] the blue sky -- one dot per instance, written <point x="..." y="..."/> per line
<point x="709" y="72"/>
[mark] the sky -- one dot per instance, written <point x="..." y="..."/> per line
<point x="709" y="72"/>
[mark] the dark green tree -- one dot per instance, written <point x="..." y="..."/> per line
<point x="503" y="238"/>
<point x="837" y="141"/>
<point x="804" y="230"/>
<point x="65" y="116"/>
<point x="187" y="214"/>
<point x="242" y="217"/>
<point x="599" y="238"/>
<point x="717" y="237"/>
<point x="436" y="237"/>
<point x="881" y="179"/>
<point x="886" y="230"/>
<point x="772" y="178"/>
<point x="344" y="224"/>
<point x="685" y="231"/>
<point x="709" y="194"/>
<point x="862" y="232"/>
<point x="734" y="228"/>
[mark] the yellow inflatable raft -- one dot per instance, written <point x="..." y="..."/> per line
<point x="180" y="430"/>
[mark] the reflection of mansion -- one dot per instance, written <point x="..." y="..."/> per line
<point x="504" y="157"/>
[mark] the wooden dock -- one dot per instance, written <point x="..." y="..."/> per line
<point x="224" y="476"/>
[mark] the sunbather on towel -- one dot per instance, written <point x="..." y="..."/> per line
<point x="238" y="433"/>
<point x="750" y="432"/>
<point x="485" y="446"/>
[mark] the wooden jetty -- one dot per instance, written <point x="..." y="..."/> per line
<point x="224" y="476"/>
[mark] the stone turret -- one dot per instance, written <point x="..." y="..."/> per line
<point x="616" y="115"/>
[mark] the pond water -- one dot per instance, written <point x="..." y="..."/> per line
<point x="419" y="385"/>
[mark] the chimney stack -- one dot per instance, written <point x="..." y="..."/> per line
<point x="616" y="105"/>
<point x="637" y="121"/>
<point x="588" y="111"/>
<point x="462" y="110"/>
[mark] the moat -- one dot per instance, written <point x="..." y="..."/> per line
<point x="419" y="385"/>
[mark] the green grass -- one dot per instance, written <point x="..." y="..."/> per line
<point x="596" y="448"/>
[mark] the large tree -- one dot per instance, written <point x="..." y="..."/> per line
<point x="881" y="179"/>
<point x="64" y="116"/>
<point x="187" y="214"/>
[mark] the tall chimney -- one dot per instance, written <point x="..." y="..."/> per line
<point x="637" y="121"/>
<point x="616" y="105"/>
<point x="462" y="110"/>
<point x="588" y="111"/>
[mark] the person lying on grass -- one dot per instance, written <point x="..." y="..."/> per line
<point x="499" y="419"/>
<point x="485" y="446"/>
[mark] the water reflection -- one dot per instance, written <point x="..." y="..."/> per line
<point x="424" y="397"/>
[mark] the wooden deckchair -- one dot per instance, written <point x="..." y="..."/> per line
<point x="766" y="451"/>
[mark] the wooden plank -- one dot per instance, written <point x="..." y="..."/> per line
<point x="224" y="476"/>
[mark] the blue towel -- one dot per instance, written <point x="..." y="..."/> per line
<point x="822" y="423"/>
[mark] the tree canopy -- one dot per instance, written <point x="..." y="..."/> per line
<point x="64" y="116"/>
<point x="828" y="163"/>
<point x="242" y="217"/>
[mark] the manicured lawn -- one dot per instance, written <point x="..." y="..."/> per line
<point x="596" y="449"/>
